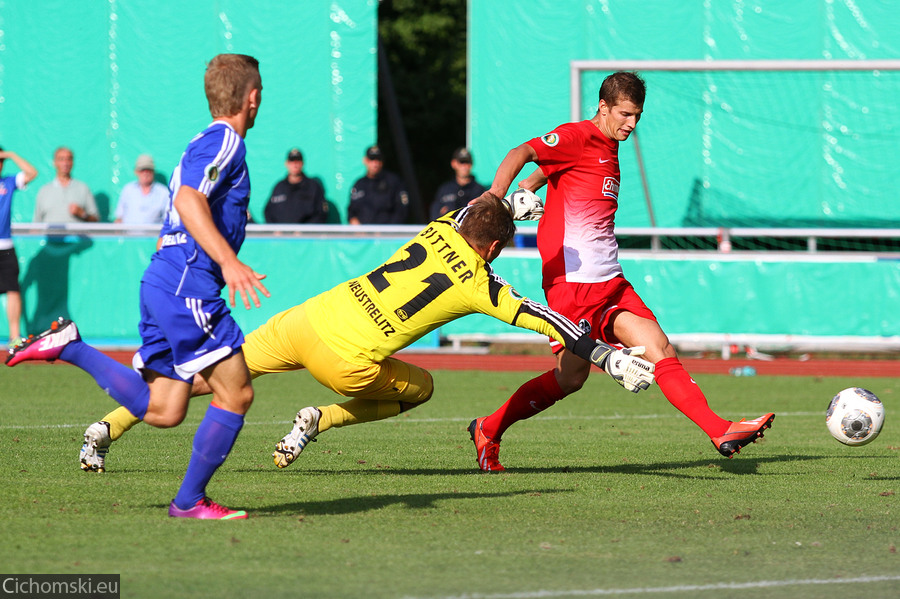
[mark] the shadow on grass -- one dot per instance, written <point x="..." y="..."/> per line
<point x="368" y="503"/>
<point x="733" y="466"/>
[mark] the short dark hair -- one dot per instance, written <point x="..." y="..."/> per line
<point x="622" y="86"/>
<point x="487" y="221"/>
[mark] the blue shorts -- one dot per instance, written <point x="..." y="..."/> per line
<point x="181" y="336"/>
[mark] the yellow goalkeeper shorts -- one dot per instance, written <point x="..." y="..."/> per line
<point x="288" y="341"/>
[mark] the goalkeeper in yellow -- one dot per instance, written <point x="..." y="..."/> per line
<point x="345" y="337"/>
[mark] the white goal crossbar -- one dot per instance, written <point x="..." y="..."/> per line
<point x="576" y="67"/>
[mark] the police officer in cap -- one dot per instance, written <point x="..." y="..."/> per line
<point x="380" y="197"/>
<point x="460" y="190"/>
<point x="296" y="198"/>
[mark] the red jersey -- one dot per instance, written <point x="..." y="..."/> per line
<point x="575" y="235"/>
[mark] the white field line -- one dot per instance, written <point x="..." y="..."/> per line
<point x="412" y="420"/>
<point x="761" y="584"/>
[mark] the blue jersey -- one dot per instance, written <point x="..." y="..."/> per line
<point x="214" y="165"/>
<point x="7" y="187"/>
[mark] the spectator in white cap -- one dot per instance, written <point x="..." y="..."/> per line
<point x="145" y="201"/>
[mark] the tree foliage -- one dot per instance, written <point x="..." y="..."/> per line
<point x="425" y="44"/>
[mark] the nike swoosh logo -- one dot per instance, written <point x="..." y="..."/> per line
<point x="604" y="161"/>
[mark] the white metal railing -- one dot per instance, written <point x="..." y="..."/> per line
<point x="724" y="236"/>
<point x="309" y="231"/>
<point x="724" y="343"/>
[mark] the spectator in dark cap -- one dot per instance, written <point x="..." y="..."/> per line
<point x="296" y="198"/>
<point x="460" y="190"/>
<point x="380" y="197"/>
<point x="374" y="153"/>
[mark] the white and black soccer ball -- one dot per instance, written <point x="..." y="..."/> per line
<point x="855" y="416"/>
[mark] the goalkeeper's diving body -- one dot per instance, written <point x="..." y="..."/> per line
<point x="346" y="337"/>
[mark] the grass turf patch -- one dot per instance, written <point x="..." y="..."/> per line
<point x="605" y="492"/>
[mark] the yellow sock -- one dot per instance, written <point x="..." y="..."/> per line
<point x="120" y="420"/>
<point x="355" y="411"/>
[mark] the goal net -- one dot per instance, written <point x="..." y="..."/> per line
<point x="740" y="145"/>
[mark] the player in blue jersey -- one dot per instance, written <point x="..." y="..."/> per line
<point x="9" y="263"/>
<point x="186" y="327"/>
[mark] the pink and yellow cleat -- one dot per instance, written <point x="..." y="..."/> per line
<point x="46" y="346"/>
<point x="207" y="509"/>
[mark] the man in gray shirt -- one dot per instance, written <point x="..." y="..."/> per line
<point x="65" y="200"/>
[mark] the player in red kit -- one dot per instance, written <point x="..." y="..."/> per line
<point x="582" y="277"/>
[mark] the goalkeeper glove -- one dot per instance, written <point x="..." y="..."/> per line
<point x="524" y="205"/>
<point x="623" y="365"/>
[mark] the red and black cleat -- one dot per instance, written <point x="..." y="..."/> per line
<point x="742" y="433"/>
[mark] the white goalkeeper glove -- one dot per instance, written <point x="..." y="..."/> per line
<point x="623" y="365"/>
<point x="524" y="205"/>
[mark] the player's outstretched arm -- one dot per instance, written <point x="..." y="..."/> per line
<point x="194" y="210"/>
<point x="624" y="366"/>
<point x="534" y="181"/>
<point x="510" y="166"/>
<point x="28" y="171"/>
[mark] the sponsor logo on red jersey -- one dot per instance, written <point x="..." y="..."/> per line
<point x="611" y="187"/>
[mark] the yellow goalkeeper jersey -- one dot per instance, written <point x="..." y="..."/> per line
<point x="433" y="279"/>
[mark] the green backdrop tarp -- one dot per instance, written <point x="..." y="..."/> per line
<point x="803" y="149"/>
<point x="116" y="79"/>
<point x="95" y="281"/>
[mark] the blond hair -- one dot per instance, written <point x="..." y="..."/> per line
<point x="228" y="80"/>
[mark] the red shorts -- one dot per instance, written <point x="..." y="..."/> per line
<point x="596" y="303"/>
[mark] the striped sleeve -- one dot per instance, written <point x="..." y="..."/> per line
<point x="212" y="173"/>
<point x="501" y="301"/>
<point x="539" y="317"/>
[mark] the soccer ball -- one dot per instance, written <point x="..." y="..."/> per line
<point x="855" y="416"/>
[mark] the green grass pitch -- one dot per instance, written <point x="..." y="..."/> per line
<point x="606" y="493"/>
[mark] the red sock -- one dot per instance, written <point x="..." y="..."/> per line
<point x="533" y="397"/>
<point x="683" y="393"/>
